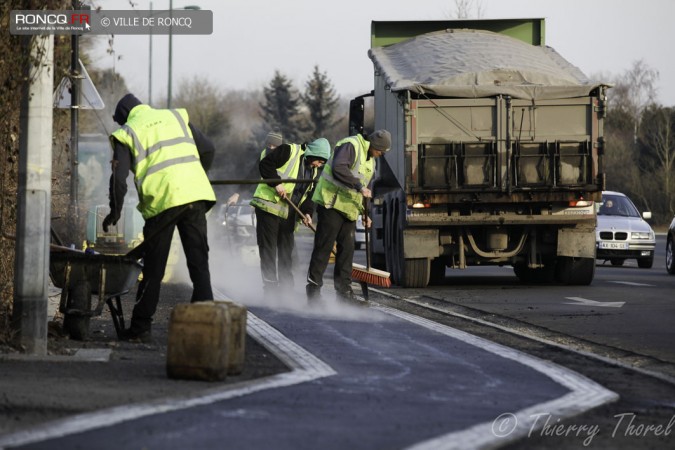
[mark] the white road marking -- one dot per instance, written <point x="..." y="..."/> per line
<point x="305" y="367"/>
<point x="587" y="302"/>
<point x="584" y="394"/>
<point x="632" y="283"/>
<point x="572" y="348"/>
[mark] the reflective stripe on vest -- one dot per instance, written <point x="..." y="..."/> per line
<point x="143" y="153"/>
<point x="165" y="160"/>
<point x="355" y="169"/>
<point x="266" y="197"/>
<point x="332" y="193"/>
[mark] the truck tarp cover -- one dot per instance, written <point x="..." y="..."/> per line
<point x="473" y="63"/>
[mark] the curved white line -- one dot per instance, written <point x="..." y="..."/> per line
<point x="585" y="394"/>
<point x="304" y="367"/>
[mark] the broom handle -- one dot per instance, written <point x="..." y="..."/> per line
<point x="310" y="225"/>
<point x="365" y="228"/>
<point x="297" y="210"/>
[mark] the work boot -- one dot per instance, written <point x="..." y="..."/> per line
<point x="313" y="292"/>
<point x="349" y="297"/>
<point x="136" y="336"/>
<point x="139" y="331"/>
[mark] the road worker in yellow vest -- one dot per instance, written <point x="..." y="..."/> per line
<point x="339" y="197"/>
<point x="169" y="158"/>
<point x="275" y="220"/>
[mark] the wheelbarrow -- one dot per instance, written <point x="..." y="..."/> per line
<point x="81" y="274"/>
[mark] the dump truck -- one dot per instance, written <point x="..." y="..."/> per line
<point x="496" y="156"/>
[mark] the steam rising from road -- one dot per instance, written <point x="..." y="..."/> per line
<point x="235" y="272"/>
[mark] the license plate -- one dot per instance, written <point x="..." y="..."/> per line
<point x="614" y="245"/>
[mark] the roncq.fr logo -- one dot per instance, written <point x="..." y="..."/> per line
<point x="52" y="19"/>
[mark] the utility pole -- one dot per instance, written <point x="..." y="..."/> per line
<point x="169" y="87"/>
<point x="150" y="64"/>
<point x="170" y="79"/>
<point x="31" y="267"/>
<point x="75" y="83"/>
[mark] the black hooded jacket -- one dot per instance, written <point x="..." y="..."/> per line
<point x="124" y="107"/>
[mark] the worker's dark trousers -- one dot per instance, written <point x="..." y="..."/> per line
<point x="158" y="233"/>
<point x="332" y="228"/>
<point x="275" y="245"/>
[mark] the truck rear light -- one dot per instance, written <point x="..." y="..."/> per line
<point x="580" y="203"/>
<point x="420" y="205"/>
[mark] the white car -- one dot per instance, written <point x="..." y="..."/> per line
<point x="622" y="232"/>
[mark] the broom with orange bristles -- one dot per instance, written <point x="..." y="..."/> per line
<point x="365" y="275"/>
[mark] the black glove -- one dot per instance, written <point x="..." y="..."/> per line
<point x="110" y="219"/>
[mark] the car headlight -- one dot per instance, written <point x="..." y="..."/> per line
<point x="641" y="235"/>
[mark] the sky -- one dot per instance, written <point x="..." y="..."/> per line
<point x="253" y="38"/>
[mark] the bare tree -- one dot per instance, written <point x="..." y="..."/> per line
<point x="633" y="164"/>
<point x="463" y="9"/>
<point x="634" y="91"/>
<point x="112" y="87"/>
<point x="620" y="162"/>
<point x="208" y="110"/>
<point x="657" y="145"/>
<point x="204" y="103"/>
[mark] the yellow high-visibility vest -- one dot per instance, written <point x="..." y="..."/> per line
<point x="331" y="193"/>
<point x="165" y="161"/>
<point x="266" y="198"/>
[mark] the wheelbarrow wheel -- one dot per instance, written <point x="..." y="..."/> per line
<point x="76" y="318"/>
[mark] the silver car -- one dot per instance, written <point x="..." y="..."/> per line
<point x="622" y="232"/>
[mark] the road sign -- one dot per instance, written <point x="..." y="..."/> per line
<point x="89" y="96"/>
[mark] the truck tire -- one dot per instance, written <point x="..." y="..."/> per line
<point x="575" y="271"/>
<point x="416" y="273"/>
<point x="670" y="257"/>
<point x="393" y="242"/>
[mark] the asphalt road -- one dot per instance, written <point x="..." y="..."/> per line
<point x="626" y="307"/>
<point x="375" y="380"/>
<point x="617" y="331"/>
<point x="420" y="369"/>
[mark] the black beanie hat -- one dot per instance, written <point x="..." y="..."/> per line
<point x="124" y="106"/>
